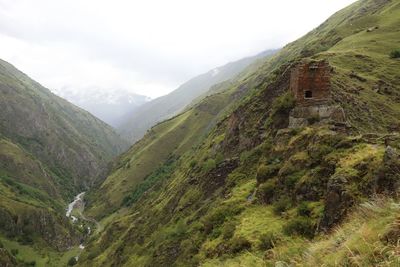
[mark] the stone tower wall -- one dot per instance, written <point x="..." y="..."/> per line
<point x="314" y="77"/>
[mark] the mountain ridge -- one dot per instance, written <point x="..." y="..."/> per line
<point x="165" y="107"/>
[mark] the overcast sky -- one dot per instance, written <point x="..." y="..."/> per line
<point x="148" y="46"/>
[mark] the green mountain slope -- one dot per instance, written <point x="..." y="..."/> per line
<point x="32" y="211"/>
<point x="135" y="125"/>
<point x="162" y="145"/>
<point x="252" y="192"/>
<point x="49" y="151"/>
<point x="72" y="143"/>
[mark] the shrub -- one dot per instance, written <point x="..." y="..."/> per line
<point x="189" y="248"/>
<point x="228" y="230"/>
<point x="239" y="244"/>
<point x="266" y="191"/>
<point x="265" y="172"/>
<point x="317" y="152"/>
<point x="251" y="157"/>
<point x="209" y="165"/>
<point x="162" y="173"/>
<point x="302" y="226"/>
<point x="216" y="232"/>
<point x="233" y="178"/>
<point x="1" y="244"/>
<point x="279" y="112"/>
<point x="284" y="103"/>
<point x="31" y="263"/>
<point x="219" y="158"/>
<point x="313" y="119"/>
<point x="218" y="216"/>
<point x="94" y="252"/>
<point x="283" y="204"/>
<point x="262" y="172"/>
<point x="26" y="240"/>
<point x="267" y="241"/>
<point x="303" y="209"/>
<point x="128" y="165"/>
<point x="192" y="164"/>
<point x="14" y="251"/>
<point x="179" y="230"/>
<point x="395" y="53"/>
<point x="72" y="261"/>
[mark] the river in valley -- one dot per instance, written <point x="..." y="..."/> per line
<point x="75" y="210"/>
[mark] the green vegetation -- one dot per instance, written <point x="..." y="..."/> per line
<point x="247" y="191"/>
<point x="267" y="241"/>
<point x="224" y="183"/>
<point x="49" y="151"/>
<point x="41" y="257"/>
<point x="157" y="176"/>
<point x="72" y="261"/>
<point x="395" y="53"/>
<point x="165" y="107"/>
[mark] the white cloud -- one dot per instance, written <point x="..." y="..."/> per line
<point x="150" y="46"/>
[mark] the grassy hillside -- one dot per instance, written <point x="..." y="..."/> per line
<point x="32" y="210"/>
<point x="72" y="143"/>
<point x="163" y="144"/>
<point x="49" y="151"/>
<point x="251" y="192"/>
<point x="135" y="125"/>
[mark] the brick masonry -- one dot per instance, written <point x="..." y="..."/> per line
<point x="310" y="83"/>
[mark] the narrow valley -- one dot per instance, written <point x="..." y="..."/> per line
<point x="289" y="157"/>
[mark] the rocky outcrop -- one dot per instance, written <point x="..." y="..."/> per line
<point x="388" y="179"/>
<point x="215" y="178"/>
<point x="337" y="201"/>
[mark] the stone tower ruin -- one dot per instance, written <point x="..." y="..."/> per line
<point x="310" y="83"/>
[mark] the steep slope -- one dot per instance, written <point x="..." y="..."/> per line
<point x="109" y="105"/>
<point x="72" y="143"/>
<point x="138" y="122"/>
<point x="163" y="144"/>
<point x="29" y="191"/>
<point x="254" y="192"/>
<point x="49" y="151"/>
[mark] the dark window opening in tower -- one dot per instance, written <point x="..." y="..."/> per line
<point x="308" y="94"/>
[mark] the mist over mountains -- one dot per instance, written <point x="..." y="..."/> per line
<point x="109" y="105"/>
<point x="135" y="124"/>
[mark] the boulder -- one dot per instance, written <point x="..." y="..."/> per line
<point x="388" y="178"/>
<point x="337" y="201"/>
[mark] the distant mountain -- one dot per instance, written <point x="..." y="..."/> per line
<point x="143" y="118"/>
<point x="108" y="105"/>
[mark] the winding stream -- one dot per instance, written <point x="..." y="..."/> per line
<point x="78" y="199"/>
<point x="79" y="205"/>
